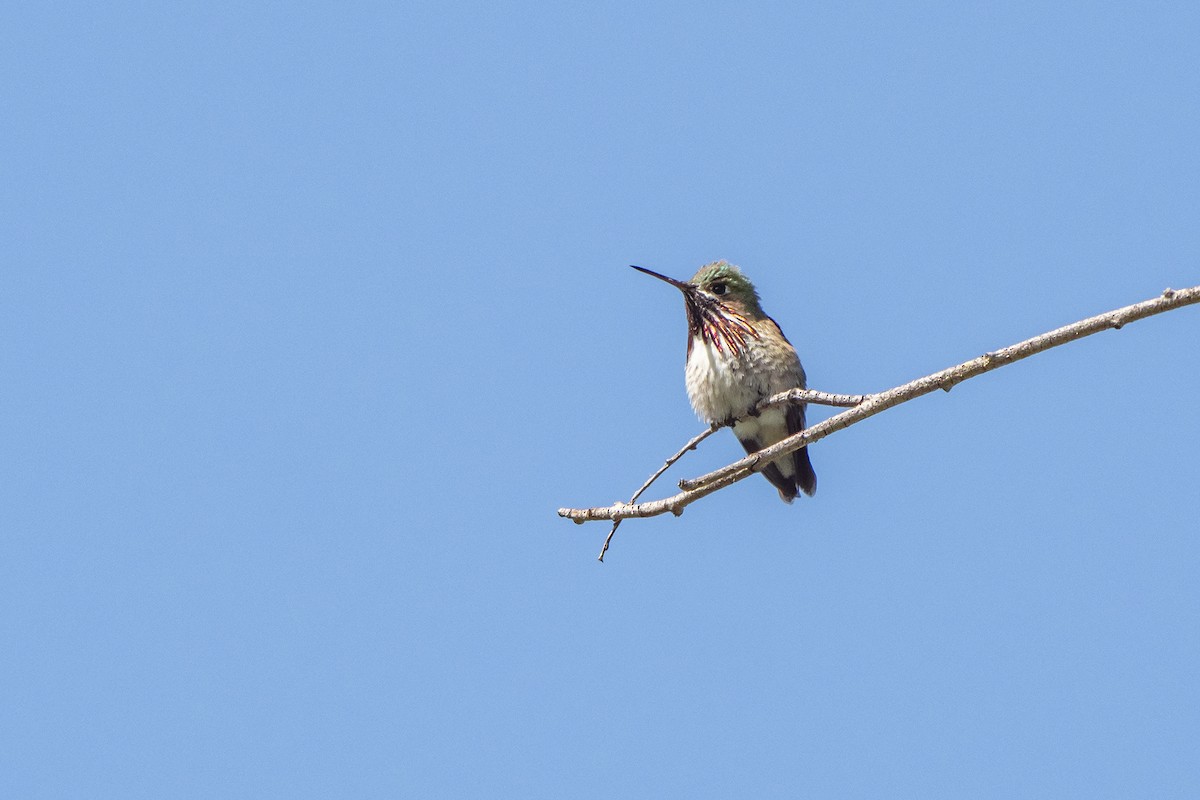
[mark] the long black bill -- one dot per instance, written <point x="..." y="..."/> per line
<point x="686" y="288"/>
<point x="708" y="317"/>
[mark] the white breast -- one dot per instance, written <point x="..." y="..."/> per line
<point x="721" y="387"/>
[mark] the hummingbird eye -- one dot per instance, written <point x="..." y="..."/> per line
<point x="718" y="289"/>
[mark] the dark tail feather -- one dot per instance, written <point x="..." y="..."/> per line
<point x="806" y="478"/>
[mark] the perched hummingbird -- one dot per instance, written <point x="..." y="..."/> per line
<point x="736" y="357"/>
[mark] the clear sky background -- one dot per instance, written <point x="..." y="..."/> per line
<point x="311" y="316"/>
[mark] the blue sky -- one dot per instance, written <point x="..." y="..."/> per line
<point x="313" y="315"/>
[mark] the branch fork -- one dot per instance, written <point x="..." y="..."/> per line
<point x="860" y="407"/>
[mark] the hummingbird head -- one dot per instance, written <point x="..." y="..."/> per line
<point x="721" y="303"/>
<point x="730" y="285"/>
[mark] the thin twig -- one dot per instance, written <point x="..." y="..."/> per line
<point x="873" y="404"/>
<point x="691" y="445"/>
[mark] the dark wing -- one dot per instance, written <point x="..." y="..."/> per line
<point x="806" y="478"/>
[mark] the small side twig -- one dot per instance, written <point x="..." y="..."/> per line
<point x="814" y="397"/>
<point x="691" y="445"/>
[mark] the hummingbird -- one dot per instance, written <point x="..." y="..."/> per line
<point x="737" y="356"/>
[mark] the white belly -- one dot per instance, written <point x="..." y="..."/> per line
<point x="721" y="387"/>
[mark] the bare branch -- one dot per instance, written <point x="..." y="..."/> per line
<point x="873" y="404"/>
